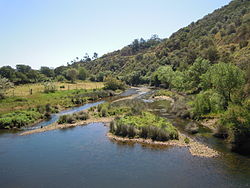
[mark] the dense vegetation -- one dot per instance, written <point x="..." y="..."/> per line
<point x="144" y="125"/>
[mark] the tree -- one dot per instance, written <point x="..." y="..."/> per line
<point x="100" y="77"/>
<point x="8" y="72"/>
<point x="114" y="84"/>
<point x="82" y="74"/>
<point x="165" y="75"/>
<point x="195" y="71"/>
<point x="72" y="74"/>
<point x="4" y="85"/>
<point x="211" y="54"/>
<point x="95" y="56"/>
<point x="224" y="78"/>
<point x="23" y="68"/>
<point x="47" y="71"/>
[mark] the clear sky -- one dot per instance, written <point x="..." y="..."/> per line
<point x="53" y="32"/>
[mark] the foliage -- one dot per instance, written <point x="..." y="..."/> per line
<point x="208" y="102"/>
<point x="224" y="78"/>
<point x="72" y="74"/>
<point x="199" y="67"/>
<point x="236" y="122"/>
<point x="19" y="119"/>
<point x="4" y="85"/>
<point x="49" y="87"/>
<point x="47" y="71"/>
<point x="113" y="84"/>
<point x="165" y="75"/>
<point x="82" y="73"/>
<point x="145" y="125"/>
<point x="73" y="118"/>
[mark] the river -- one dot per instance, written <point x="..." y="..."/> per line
<point x="84" y="157"/>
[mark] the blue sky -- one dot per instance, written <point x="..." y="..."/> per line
<point x="53" y="32"/>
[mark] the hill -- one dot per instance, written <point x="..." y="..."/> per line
<point x="220" y="36"/>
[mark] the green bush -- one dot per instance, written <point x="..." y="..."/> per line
<point x="72" y="118"/>
<point x="19" y="119"/>
<point x="114" y="84"/>
<point x="235" y="123"/>
<point x="208" y="102"/>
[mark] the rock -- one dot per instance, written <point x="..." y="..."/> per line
<point x="192" y="128"/>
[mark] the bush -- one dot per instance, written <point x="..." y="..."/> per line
<point x="114" y="84"/>
<point x="186" y="140"/>
<point x="72" y="118"/>
<point x="104" y="112"/>
<point x="207" y="102"/>
<point x="19" y="119"/>
<point x="5" y="84"/>
<point x="49" y="87"/>
<point x="235" y="123"/>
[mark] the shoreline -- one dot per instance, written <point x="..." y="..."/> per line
<point x="55" y="126"/>
<point x="195" y="148"/>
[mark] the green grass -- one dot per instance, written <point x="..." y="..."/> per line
<point x="62" y="99"/>
<point x="145" y="125"/>
<point x="24" y="90"/>
<point x="23" y="111"/>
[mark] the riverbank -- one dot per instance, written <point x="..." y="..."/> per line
<point x="195" y="148"/>
<point x="55" y="126"/>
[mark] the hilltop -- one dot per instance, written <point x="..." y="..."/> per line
<point x="220" y="36"/>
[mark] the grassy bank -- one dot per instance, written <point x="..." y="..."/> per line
<point x="23" y="111"/>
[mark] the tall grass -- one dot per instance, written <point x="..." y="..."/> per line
<point x="146" y="125"/>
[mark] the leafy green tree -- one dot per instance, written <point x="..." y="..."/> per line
<point x="8" y="72"/>
<point x="207" y="102"/>
<point x="60" y="78"/>
<point x="47" y="71"/>
<point x="195" y="71"/>
<point x="72" y="74"/>
<point x="165" y="74"/>
<point x="224" y="78"/>
<point x="100" y="77"/>
<point x="5" y="84"/>
<point x="82" y="73"/>
<point x="23" y="68"/>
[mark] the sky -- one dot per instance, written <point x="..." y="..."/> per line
<point x="54" y="32"/>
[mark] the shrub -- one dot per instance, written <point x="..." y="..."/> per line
<point x="49" y="87"/>
<point x="235" y="123"/>
<point x="208" y="101"/>
<point x="4" y="85"/>
<point x="72" y="118"/>
<point x="114" y="84"/>
<point x="104" y="112"/>
<point x="186" y="140"/>
<point x="19" y="119"/>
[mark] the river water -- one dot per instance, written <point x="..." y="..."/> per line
<point x="84" y="157"/>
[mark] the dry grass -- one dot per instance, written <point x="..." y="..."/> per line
<point x="24" y="90"/>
